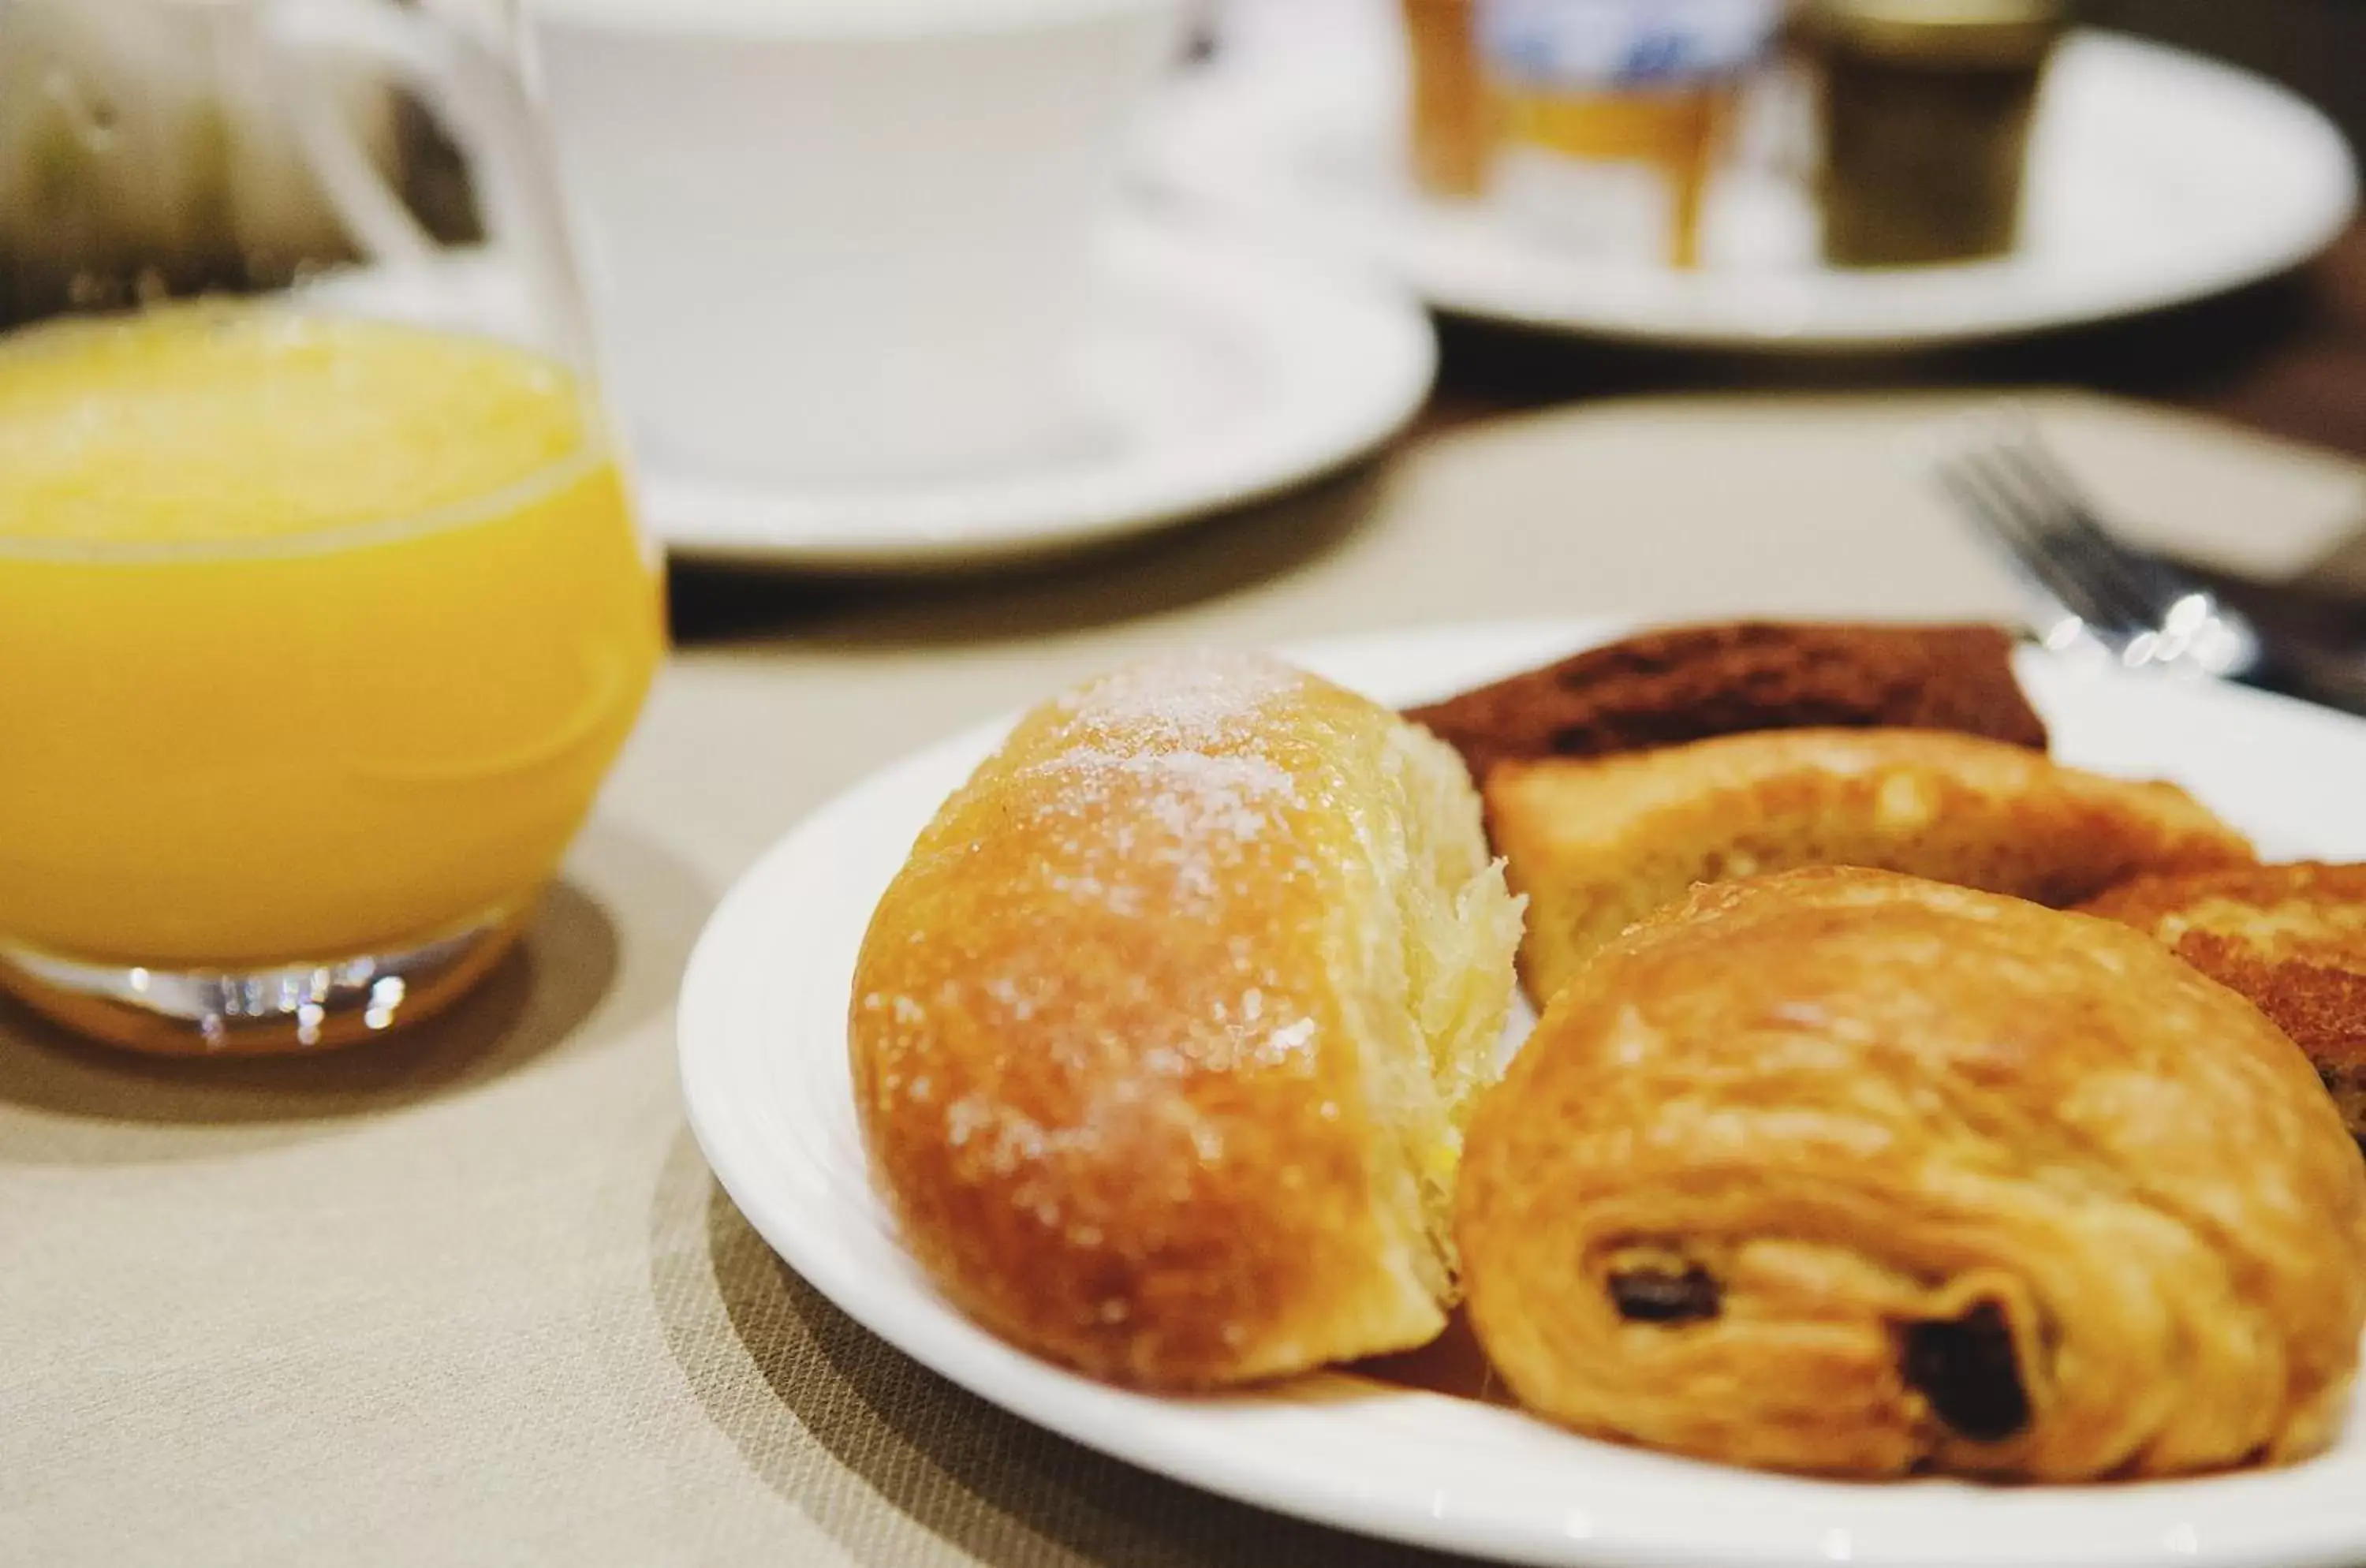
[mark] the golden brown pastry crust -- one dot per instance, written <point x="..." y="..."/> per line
<point x="1894" y="1175"/>
<point x="2292" y="938"/>
<point x="1597" y="844"/>
<point x="1142" y="1032"/>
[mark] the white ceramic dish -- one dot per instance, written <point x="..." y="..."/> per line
<point x="2156" y="178"/>
<point x="832" y="240"/>
<point x="1215" y="374"/>
<point x="764" y="1071"/>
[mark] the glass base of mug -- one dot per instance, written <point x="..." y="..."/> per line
<point x="309" y="1006"/>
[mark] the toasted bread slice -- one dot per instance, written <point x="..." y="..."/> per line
<point x="1597" y="844"/>
<point x="2290" y="938"/>
<point x="1681" y="683"/>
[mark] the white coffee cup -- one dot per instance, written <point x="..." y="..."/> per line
<point x="840" y="241"/>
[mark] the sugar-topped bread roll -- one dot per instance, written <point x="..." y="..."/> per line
<point x="1164" y="1036"/>
<point x="1849" y="1172"/>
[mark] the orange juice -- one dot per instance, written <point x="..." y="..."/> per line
<point x="316" y="635"/>
<point x="1670" y="137"/>
<point x="1608" y="114"/>
<point x="1448" y="121"/>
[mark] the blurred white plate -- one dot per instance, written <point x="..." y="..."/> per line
<point x="762" y="1033"/>
<point x="1215" y="374"/>
<point x="2157" y="178"/>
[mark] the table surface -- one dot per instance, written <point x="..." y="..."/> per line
<point x="471" y="1296"/>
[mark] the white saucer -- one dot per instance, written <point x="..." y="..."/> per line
<point x="762" y="1033"/>
<point x="1217" y="373"/>
<point x="2157" y="178"/>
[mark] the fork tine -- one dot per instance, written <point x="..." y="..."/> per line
<point x="2008" y="522"/>
<point x="2144" y="610"/>
<point x="2154" y="586"/>
<point x="2112" y="600"/>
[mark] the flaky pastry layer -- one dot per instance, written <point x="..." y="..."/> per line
<point x="1853" y="1173"/>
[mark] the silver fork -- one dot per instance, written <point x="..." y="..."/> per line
<point x="2096" y="591"/>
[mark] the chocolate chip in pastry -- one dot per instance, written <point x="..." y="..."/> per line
<point x="1848" y="1172"/>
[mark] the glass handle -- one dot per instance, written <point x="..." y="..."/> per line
<point x="471" y="93"/>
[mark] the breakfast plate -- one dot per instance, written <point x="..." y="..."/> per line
<point x="1213" y="374"/>
<point x="2156" y="178"/>
<point x="764" y="1067"/>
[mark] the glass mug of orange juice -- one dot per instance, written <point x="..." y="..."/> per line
<point x="323" y="613"/>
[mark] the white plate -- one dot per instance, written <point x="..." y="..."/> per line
<point x="764" y="1072"/>
<point x="1215" y="374"/>
<point x="2156" y="178"/>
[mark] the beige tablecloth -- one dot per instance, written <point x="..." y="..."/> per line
<point x="473" y="1298"/>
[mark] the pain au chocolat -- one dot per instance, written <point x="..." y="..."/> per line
<point x="1853" y="1173"/>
